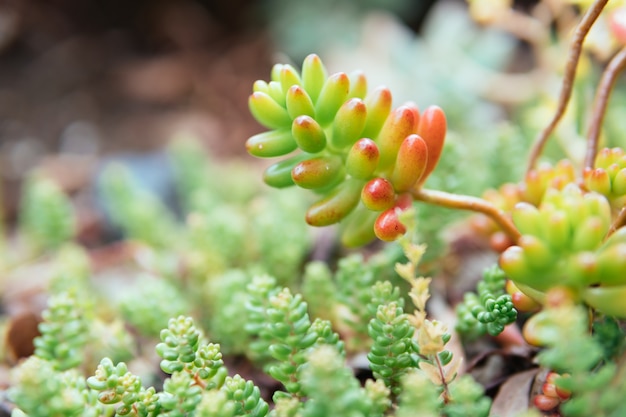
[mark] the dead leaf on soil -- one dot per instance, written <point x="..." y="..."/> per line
<point x="513" y="396"/>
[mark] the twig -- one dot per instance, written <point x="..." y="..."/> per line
<point x="444" y="383"/>
<point x="465" y="202"/>
<point x="610" y="74"/>
<point x="619" y="221"/>
<point x="568" y="80"/>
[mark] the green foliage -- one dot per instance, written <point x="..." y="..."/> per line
<point x="608" y="334"/>
<point x="226" y="294"/>
<point x="198" y="385"/>
<point x="418" y="397"/>
<point x="46" y="214"/>
<point x="260" y="290"/>
<point x="468" y="399"/>
<point x="245" y="396"/>
<point x="452" y="176"/>
<point x="280" y="322"/>
<point x="181" y="395"/>
<point x="595" y="383"/>
<point x="393" y="352"/>
<point x="281" y="239"/>
<point x="117" y="385"/>
<point x="289" y="328"/>
<point x="72" y="272"/>
<point x="489" y="310"/>
<point x="228" y="225"/>
<point x="566" y="243"/>
<point x="358" y="291"/>
<point x="331" y="387"/>
<point x="326" y="335"/>
<point x="64" y="332"/>
<point x="183" y="348"/>
<point x="215" y="404"/>
<point x="319" y="290"/>
<point x="40" y="389"/>
<point x="568" y="322"/>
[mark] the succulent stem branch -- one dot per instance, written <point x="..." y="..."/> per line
<point x="444" y="383"/>
<point x="619" y="222"/>
<point x="568" y="80"/>
<point x="610" y="74"/>
<point x="466" y="202"/>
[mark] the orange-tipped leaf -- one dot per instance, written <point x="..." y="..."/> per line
<point x="362" y="159"/>
<point x="298" y="102"/>
<point x="411" y="163"/>
<point x="378" y="194"/>
<point x="308" y="134"/>
<point x="333" y="94"/>
<point x="400" y="123"/>
<point x="432" y="128"/>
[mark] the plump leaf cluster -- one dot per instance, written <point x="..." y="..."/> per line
<point x="488" y="310"/>
<point x="530" y="190"/>
<point x="608" y="177"/>
<point x="351" y="147"/>
<point x="564" y="243"/>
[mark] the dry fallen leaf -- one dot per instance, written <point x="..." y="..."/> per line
<point x="513" y="396"/>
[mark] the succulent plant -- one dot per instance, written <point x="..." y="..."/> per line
<point x="349" y="146"/>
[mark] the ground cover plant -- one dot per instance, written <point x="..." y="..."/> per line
<point x="239" y="309"/>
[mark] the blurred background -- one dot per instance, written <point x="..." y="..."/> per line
<point x="86" y="80"/>
<point x="87" y="77"/>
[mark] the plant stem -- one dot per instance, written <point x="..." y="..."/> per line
<point x="613" y="69"/>
<point x="444" y="383"/>
<point x="568" y="80"/>
<point x="466" y="202"/>
<point x="619" y="221"/>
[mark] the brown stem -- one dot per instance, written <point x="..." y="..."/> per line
<point x="610" y="74"/>
<point x="466" y="202"/>
<point x="619" y="221"/>
<point x="568" y="80"/>
<point x="444" y="383"/>
<point x="198" y="381"/>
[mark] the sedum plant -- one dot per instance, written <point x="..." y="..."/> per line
<point x="362" y="156"/>
<point x="233" y="270"/>
<point x="556" y="230"/>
